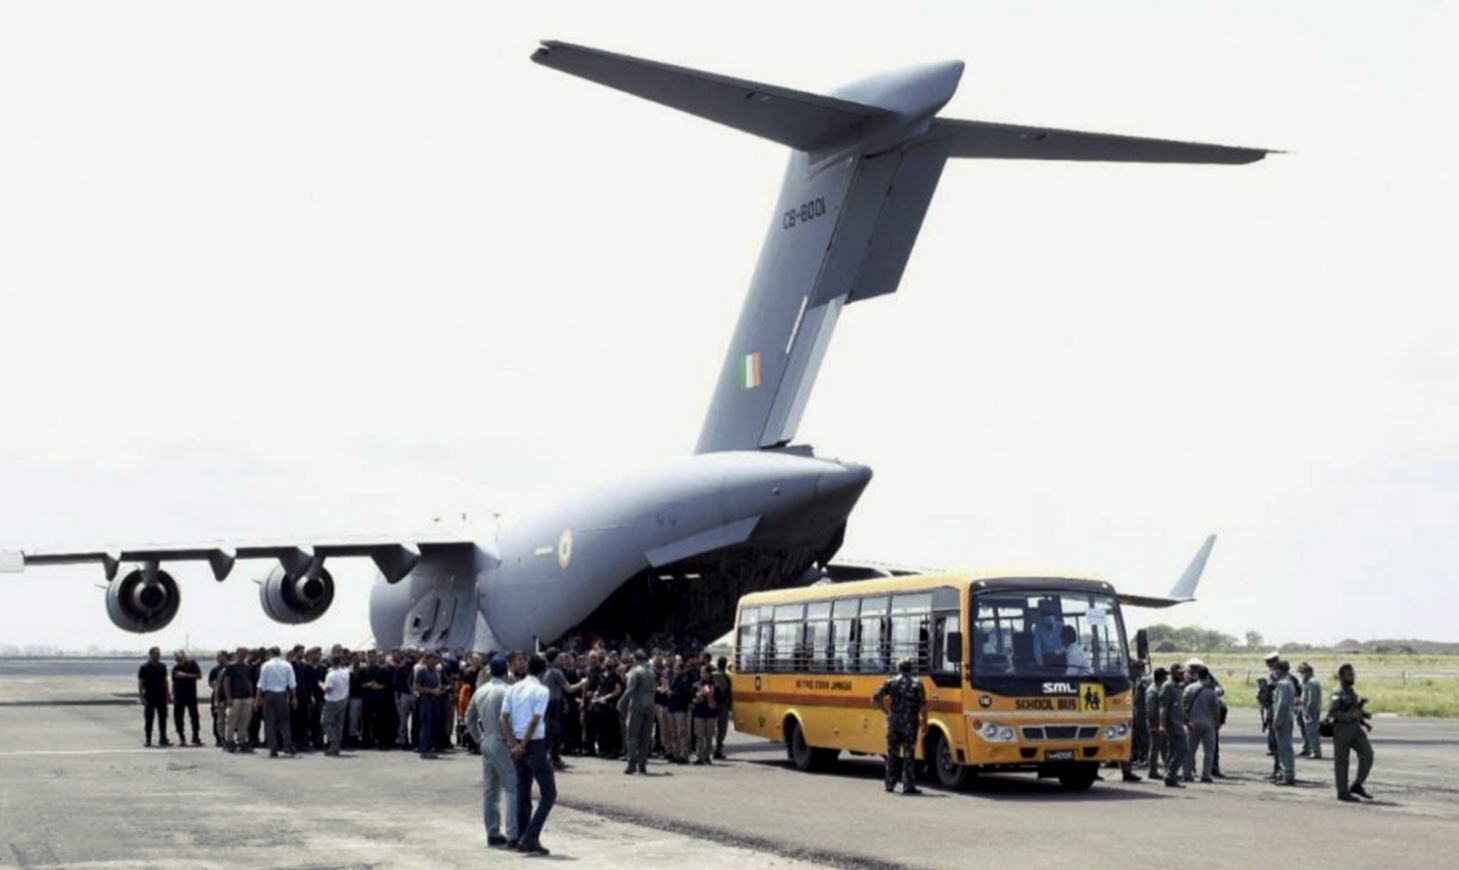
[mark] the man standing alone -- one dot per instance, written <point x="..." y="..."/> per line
<point x="152" y="690"/>
<point x="1350" y="724"/>
<point x="904" y="702"/>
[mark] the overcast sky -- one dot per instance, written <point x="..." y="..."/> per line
<point x="279" y="269"/>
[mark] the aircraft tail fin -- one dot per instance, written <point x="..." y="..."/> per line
<point x="1184" y="589"/>
<point x="865" y="163"/>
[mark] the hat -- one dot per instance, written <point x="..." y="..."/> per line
<point x="1272" y="656"/>
<point x="639" y="655"/>
<point x="498" y="666"/>
<point x="1194" y="663"/>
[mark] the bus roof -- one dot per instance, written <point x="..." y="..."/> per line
<point x="979" y="581"/>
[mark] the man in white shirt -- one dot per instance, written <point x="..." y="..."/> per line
<point x="523" y="722"/>
<point x="276" y="699"/>
<point x="498" y="771"/>
<point x="336" y="703"/>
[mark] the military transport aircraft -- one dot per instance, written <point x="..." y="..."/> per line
<point x="673" y="548"/>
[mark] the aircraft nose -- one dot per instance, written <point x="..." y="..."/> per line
<point x="845" y="479"/>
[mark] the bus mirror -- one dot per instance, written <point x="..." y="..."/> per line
<point x="954" y="653"/>
<point x="1142" y="645"/>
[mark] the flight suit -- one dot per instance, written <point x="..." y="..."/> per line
<point x="1346" y="713"/>
<point x="1204" y="709"/>
<point x="1311" y="717"/>
<point x="1172" y="716"/>
<point x="638" y="703"/>
<point x="1152" y="721"/>
<point x="908" y="699"/>
<point x="1282" y="707"/>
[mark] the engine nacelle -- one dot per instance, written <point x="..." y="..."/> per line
<point x="294" y="600"/>
<point x="140" y="601"/>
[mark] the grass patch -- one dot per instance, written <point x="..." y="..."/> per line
<point x="1419" y="685"/>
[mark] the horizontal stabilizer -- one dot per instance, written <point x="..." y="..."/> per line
<point x="1185" y="588"/>
<point x="1013" y="142"/>
<point x="798" y="119"/>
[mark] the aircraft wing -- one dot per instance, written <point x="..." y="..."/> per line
<point x="395" y="557"/>
<point x="1184" y="589"/>
<point x="1015" y="142"/>
<point x="801" y="120"/>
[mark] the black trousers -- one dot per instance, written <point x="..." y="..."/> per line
<point x="155" y="708"/>
<point x="185" y="704"/>
<point x="554" y="731"/>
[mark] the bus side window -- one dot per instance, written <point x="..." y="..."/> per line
<point x="843" y="634"/>
<point x="873" y="640"/>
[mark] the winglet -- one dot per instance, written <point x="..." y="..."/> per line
<point x="1185" y="588"/>
<point x="11" y="561"/>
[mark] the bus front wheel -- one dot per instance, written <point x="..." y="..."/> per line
<point x="1079" y="777"/>
<point x="939" y="756"/>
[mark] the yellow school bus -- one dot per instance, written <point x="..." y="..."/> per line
<point x="1022" y="673"/>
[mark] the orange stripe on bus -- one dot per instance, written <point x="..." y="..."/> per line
<point x="833" y="701"/>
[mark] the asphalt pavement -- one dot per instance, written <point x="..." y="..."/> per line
<point x="77" y="789"/>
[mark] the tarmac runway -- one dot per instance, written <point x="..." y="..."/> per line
<point x="77" y="789"/>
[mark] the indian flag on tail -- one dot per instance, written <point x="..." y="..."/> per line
<point x="750" y="371"/>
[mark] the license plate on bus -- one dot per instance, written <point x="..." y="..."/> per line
<point x="1059" y="755"/>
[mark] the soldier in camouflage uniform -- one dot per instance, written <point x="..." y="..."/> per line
<point x="904" y="701"/>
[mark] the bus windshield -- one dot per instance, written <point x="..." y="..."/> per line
<point x="1028" y="633"/>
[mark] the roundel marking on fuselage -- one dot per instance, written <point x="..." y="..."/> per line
<point x="564" y="549"/>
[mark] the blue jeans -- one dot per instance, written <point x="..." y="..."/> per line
<point x="534" y="765"/>
<point x="425" y="711"/>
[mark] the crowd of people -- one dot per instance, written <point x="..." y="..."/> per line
<point x="309" y="699"/>
<point x="522" y="713"/>
<point x="1180" y="712"/>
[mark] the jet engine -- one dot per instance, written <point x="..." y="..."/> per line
<point x="294" y="599"/>
<point x="141" y="600"/>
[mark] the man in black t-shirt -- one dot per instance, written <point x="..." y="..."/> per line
<point x="152" y="690"/>
<point x="185" y="678"/>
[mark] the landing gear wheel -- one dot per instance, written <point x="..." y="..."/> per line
<point x="950" y="774"/>
<point x="1078" y="777"/>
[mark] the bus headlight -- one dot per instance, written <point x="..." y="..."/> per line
<point x="997" y="733"/>
<point x="1116" y="732"/>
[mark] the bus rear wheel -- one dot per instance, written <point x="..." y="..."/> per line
<point x="1078" y="777"/>
<point x="805" y="757"/>
<point x="950" y="774"/>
